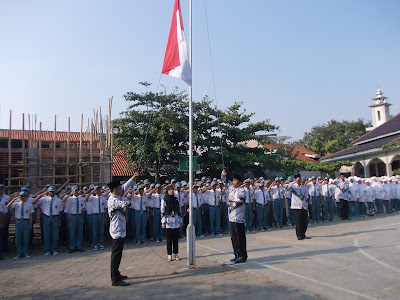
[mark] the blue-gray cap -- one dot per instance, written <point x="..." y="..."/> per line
<point x="85" y="188"/>
<point x="195" y="186"/>
<point x="214" y="183"/>
<point x="167" y="182"/>
<point x="152" y="185"/>
<point x="140" y="187"/>
<point x="146" y="181"/>
<point x="290" y="178"/>
<point x="91" y="186"/>
<point x="105" y="187"/>
<point x="158" y="185"/>
<point x="276" y="178"/>
<point x="173" y="180"/>
<point x="52" y="188"/>
<point x="23" y="193"/>
<point x="246" y="181"/>
<point x="183" y="183"/>
<point x="1" y="186"/>
<point x="178" y="185"/>
<point x="74" y="188"/>
<point x="326" y="178"/>
<point x="25" y="189"/>
<point x="201" y="183"/>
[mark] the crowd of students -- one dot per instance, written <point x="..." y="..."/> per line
<point x="75" y="214"/>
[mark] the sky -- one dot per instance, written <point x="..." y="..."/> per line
<point x="297" y="63"/>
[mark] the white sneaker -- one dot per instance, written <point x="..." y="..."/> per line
<point x="220" y="234"/>
<point x="47" y="253"/>
<point x="177" y="257"/>
<point x="55" y="253"/>
<point x="17" y="257"/>
<point x="212" y="234"/>
<point x="169" y="257"/>
<point x="95" y="248"/>
<point x="102" y="247"/>
<point x="27" y="256"/>
<point x="157" y="241"/>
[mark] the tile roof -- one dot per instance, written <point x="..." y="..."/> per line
<point x="390" y="126"/>
<point x="299" y="152"/>
<point x="120" y="166"/>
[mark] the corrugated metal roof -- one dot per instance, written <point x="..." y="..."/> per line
<point x="388" y="127"/>
<point x="47" y="136"/>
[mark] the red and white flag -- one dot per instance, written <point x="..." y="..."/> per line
<point x="176" y="60"/>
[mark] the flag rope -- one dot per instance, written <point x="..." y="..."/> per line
<point x="215" y="90"/>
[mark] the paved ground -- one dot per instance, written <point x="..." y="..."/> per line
<point x="344" y="260"/>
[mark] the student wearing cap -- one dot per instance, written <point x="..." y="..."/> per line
<point x="171" y="220"/>
<point x="249" y="205"/>
<point x="75" y="205"/>
<point x="224" y="206"/>
<point x="116" y="211"/>
<point x="180" y="195"/>
<point x="4" y="225"/>
<point x="327" y="192"/>
<point x="276" y="192"/>
<point x="98" y="205"/>
<point x="288" y="199"/>
<point x="214" y="201"/>
<point x="197" y="205"/>
<point x="51" y="207"/>
<point x="362" y="208"/>
<point x="314" y="192"/>
<point x="236" y="210"/>
<point x="141" y="213"/>
<point x="23" y="221"/>
<point x="299" y="206"/>
<point x="155" y="197"/>
<point x="262" y="198"/>
<point x="343" y="195"/>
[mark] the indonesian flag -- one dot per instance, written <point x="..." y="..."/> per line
<point x="176" y="60"/>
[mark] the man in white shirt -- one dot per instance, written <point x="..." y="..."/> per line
<point x="276" y="192"/>
<point x="116" y="211"/>
<point x="343" y="195"/>
<point x="156" y="196"/>
<point x="299" y="206"/>
<point x="250" y="205"/>
<point x="197" y="205"/>
<point x="141" y="214"/>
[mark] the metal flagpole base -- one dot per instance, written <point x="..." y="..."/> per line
<point x="191" y="249"/>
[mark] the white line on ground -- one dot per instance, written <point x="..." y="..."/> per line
<point x="295" y="275"/>
<point x="373" y="258"/>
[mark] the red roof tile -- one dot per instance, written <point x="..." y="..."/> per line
<point x="298" y="152"/>
<point x="120" y="166"/>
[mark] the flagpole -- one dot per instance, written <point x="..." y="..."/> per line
<point x="191" y="237"/>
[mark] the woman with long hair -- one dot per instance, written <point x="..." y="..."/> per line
<point x="171" y="220"/>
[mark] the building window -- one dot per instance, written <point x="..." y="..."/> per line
<point x="379" y="115"/>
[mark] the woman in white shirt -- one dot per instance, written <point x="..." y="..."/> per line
<point x="171" y="220"/>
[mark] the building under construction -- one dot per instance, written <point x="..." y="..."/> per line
<point x="35" y="157"/>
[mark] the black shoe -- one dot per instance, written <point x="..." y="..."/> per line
<point x="308" y="238"/>
<point x="233" y="259"/>
<point x="240" y="260"/>
<point x="71" y="251"/>
<point x="300" y="239"/>
<point x="122" y="277"/>
<point x="120" y="283"/>
<point x="80" y="250"/>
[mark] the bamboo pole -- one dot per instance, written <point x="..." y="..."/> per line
<point x="80" y="149"/>
<point x="54" y="149"/>
<point x="40" y="153"/>
<point x="9" y="154"/>
<point x="68" y="144"/>
<point x="91" y="151"/>
<point x="23" y="147"/>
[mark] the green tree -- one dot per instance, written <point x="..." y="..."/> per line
<point x="333" y="136"/>
<point x="167" y="137"/>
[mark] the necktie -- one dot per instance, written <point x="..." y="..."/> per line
<point x="159" y="200"/>
<point x="141" y="204"/>
<point x="249" y="196"/>
<point x="99" y="206"/>
<point x="315" y="191"/>
<point x="51" y="207"/>
<point x="279" y="193"/>
<point x="215" y="198"/>
<point x="263" y="196"/>
<point x="22" y="211"/>
<point x="327" y="191"/>
<point x="197" y="199"/>
<point x="77" y="205"/>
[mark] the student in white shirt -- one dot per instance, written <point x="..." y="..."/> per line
<point x="98" y="206"/>
<point x="155" y="197"/>
<point x="327" y="192"/>
<point x="262" y="200"/>
<point x="141" y="212"/>
<point x="214" y="200"/>
<point x="75" y="205"/>
<point x="23" y="222"/>
<point x="51" y="207"/>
